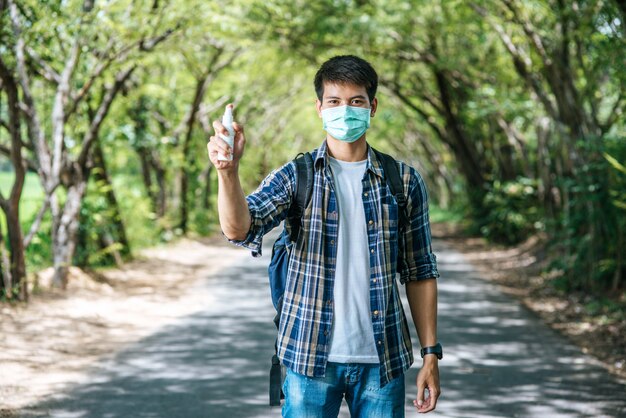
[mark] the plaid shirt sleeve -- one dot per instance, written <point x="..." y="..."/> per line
<point x="416" y="260"/>
<point x="268" y="206"/>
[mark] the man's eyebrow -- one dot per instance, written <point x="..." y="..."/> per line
<point x="360" y="96"/>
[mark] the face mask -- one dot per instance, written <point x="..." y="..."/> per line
<point x="346" y="123"/>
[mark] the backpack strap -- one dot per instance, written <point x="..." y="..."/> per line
<point x="395" y="183"/>
<point x="304" y="190"/>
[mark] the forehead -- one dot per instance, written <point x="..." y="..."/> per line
<point x="343" y="90"/>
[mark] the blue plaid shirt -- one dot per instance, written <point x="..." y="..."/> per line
<point x="307" y="312"/>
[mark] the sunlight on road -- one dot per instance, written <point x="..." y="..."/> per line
<point x="499" y="360"/>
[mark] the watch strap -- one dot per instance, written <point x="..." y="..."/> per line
<point x="435" y="349"/>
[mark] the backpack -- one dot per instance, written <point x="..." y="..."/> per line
<point x="281" y="251"/>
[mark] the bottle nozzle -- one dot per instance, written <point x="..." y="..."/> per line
<point x="228" y="115"/>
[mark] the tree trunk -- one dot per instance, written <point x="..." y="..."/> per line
<point x="5" y="268"/>
<point x="161" y="182"/>
<point x="11" y="205"/>
<point x="18" y="262"/>
<point x="464" y="150"/>
<point x="206" y="180"/>
<point x="188" y="159"/>
<point x="65" y="223"/>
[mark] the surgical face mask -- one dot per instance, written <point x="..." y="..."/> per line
<point x="346" y="123"/>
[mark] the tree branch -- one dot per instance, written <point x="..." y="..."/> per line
<point x="15" y="132"/>
<point x="530" y="32"/>
<point x="521" y="62"/>
<point x="58" y="109"/>
<point x="115" y="57"/>
<point x="30" y="164"/>
<point x="429" y="119"/>
<point x="49" y="73"/>
<point x="103" y="109"/>
<point x="209" y="74"/>
<point x="616" y="112"/>
<point x="37" y="222"/>
<point x="33" y="122"/>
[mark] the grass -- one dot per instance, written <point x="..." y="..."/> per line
<point x="30" y="202"/>
<point x="438" y="214"/>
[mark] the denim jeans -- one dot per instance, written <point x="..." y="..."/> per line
<point x="320" y="397"/>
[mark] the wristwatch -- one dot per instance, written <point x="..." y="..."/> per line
<point x="435" y="349"/>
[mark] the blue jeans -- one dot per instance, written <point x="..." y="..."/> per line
<point x="320" y="397"/>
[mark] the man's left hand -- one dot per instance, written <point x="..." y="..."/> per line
<point x="428" y="378"/>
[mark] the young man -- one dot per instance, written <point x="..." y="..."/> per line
<point x="343" y="332"/>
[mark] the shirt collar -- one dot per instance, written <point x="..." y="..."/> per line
<point x="373" y="164"/>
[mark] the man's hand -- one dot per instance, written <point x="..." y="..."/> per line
<point x="428" y="378"/>
<point x="217" y="146"/>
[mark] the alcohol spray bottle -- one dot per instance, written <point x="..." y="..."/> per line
<point x="227" y="121"/>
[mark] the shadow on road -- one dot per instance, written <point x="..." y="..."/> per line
<point x="499" y="360"/>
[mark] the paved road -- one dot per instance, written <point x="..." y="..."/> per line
<point x="500" y="361"/>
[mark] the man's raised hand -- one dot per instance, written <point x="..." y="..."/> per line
<point x="217" y="145"/>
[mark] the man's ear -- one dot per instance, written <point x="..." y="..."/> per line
<point x="318" y="106"/>
<point x="374" y="106"/>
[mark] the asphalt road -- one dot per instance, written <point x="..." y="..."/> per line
<point x="499" y="361"/>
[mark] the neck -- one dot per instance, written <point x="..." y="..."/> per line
<point x="344" y="151"/>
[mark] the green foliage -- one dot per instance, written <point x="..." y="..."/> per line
<point x="618" y="182"/>
<point x="590" y="234"/>
<point x="512" y="211"/>
<point x="452" y="103"/>
<point x="95" y="225"/>
<point x="447" y="215"/>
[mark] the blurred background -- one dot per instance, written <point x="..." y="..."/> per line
<point x="512" y="111"/>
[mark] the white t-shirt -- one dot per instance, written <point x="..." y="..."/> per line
<point x="352" y="335"/>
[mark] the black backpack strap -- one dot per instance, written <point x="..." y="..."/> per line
<point x="304" y="190"/>
<point x="395" y="183"/>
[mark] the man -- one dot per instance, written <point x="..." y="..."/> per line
<point x="343" y="331"/>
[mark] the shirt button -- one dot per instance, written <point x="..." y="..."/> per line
<point x="380" y="342"/>
<point x="375" y="312"/>
<point x="329" y="302"/>
<point x="372" y="251"/>
<point x="332" y="242"/>
<point x="326" y="332"/>
<point x="366" y="194"/>
<point x="371" y="222"/>
<point x="374" y="280"/>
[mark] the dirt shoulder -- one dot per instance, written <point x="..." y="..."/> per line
<point x="518" y="272"/>
<point x="48" y="344"/>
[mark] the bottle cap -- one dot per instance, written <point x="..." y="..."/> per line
<point x="228" y="115"/>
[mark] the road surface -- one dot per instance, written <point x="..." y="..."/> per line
<point x="499" y="359"/>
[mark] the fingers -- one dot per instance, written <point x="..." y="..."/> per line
<point x="218" y="145"/>
<point x="219" y="128"/>
<point x="420" y="395"/>
<point x="240" y="141"/>
<point x="238" y="128"/>
<point x="433" y="396"/>
<point x="427" y="392"/>
<point x="429" y="402"/>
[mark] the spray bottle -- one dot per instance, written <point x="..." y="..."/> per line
<point x="227" y="122"/>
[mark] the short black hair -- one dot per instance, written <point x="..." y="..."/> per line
<point x="347" y="69"/>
